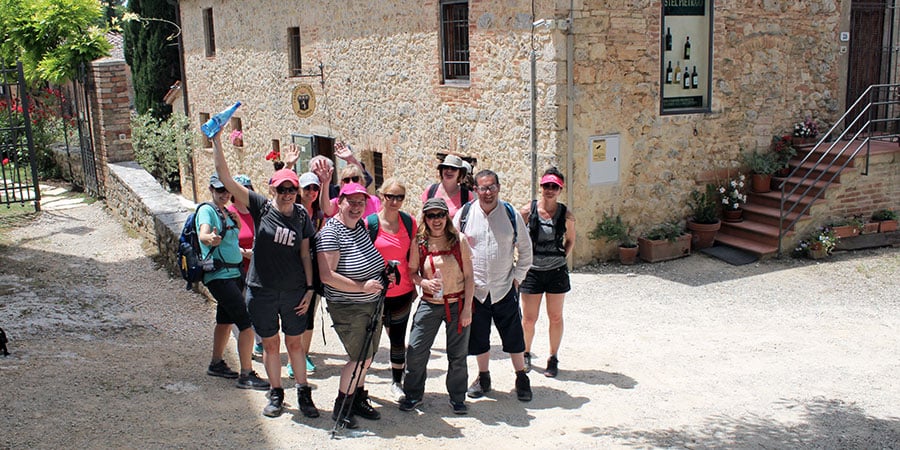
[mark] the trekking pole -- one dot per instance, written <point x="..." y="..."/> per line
<point x="391" y="268"/>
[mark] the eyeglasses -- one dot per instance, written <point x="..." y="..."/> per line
<point x="395" y="197"/>
<point x="438" y="215"/>
<point x="489" y="188"/>
<point x="550" y="187"/>
<point x="286" y="190"/>
<point x="354" y="179"/>
<point x="312" y="187"/>
<point x="221" y="190"/>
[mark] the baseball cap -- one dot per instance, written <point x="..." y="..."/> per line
<point x="353" y="188"/>
<point x="215" y="182"/>
<point x="280" y="176"/>
<point x="244" y="180"/>
<point x="308" y="178"/>
<point x="435" y="203"/>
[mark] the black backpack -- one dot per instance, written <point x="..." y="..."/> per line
<point x="463" y="194"/>
<point x="534" y="226"/>
<point x="188" y="254"/>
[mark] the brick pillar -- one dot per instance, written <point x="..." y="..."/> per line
<point x="110" y="108"/>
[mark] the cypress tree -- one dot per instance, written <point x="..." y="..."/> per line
<point x="152" y="52"/>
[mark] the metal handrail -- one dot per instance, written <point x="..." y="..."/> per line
<point x="829" y="160"/>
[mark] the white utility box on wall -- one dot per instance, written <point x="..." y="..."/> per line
<point x="603" y="159"/>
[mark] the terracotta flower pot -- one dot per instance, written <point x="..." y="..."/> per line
<point x="817" y="252"/>
<point x="761" y="183"/>
<point x="733" y="215"/>
<point x="628" y="255"/>
<point x="845" y="231"/>
<point x="887" y="226"/>
<point x="703" y="234"/>
<point x="663" y="250"/>
<point x="870" y="227"/>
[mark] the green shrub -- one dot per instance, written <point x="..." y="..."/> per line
<point x="160" y="145"/>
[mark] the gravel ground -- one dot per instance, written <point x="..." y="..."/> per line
<point x="108" y="351"/>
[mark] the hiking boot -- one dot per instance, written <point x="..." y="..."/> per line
<point x="362" y="407"/>
<point x="252" y="381"/>
<point x="305" y="402"/>
<point x="397" y="390"/>
<point x="310" y="367"/>
<point x="523" y="387"/>
<point x="552" y="367"/>
<point x="481" y="385"/>
<point x="276" y="403"/>
<point x="257" y="351"/>
<point x="459" y="408"/>
<point x="346" y="420"/>
<point x="527" y="362"/>
<point x="221" y="369"/>
<point x="408" y="404"/>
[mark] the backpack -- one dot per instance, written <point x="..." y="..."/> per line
<point x="372" y="226"/>
<point x="463" y="194"/>
<point x="510" y="212"/>
<point x="189" y="256"/>
<point x="559" y="228"/>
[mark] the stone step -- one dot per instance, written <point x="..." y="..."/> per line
<point x="769" y="215"/>
<point x="751" y="230"/>
<point x="759" y="249"/>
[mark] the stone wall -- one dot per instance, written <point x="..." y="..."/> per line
<point x="774" y="63"/>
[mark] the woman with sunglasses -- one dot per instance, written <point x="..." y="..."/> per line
<point x="451" y="173"/>
<point x="351" y="268"/>
<point x="551" y="227"/>
<point x="392" y="232"/>
<point x="445" y="298"/>
<point x="218" y="231"/>
<point x="349" y="174"/>
<point x="280" y="277"/>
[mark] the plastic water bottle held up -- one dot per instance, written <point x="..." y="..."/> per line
<point x="439" y="294"/>
<point x="216" y="122"/>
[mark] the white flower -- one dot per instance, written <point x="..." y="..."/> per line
<point x="736" y="206"/>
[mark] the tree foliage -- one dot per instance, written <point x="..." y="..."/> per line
<point x="159" y="145"/>
<point x="51" y="37"/>
<point x="151" y="49"/>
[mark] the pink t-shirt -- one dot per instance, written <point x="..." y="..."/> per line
<point x="397" y="246"/>
<point x="453" y="203"/>
<point x="373" y="205"/>
<point x="245" y="238"/>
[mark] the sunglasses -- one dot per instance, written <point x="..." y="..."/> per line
<point x="395" y="197"/>
<point x="312" y="187"/>
<point x="433" y="216"/>
<point x="550" y="187"/>
<point x="220" y="190"/>
<point x="354" y="179"/>
<point x="286" y="190"/>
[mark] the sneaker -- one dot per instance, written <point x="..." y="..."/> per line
<point x="252" y="381"/>
<point x="346" y="420"/>
<point x="257" y="351"/>
<point x="408" y="404"/>
<point x="552" y="367"/>
<point x="527" y="362"/>
<point x="362" y="407"/>
<point x="276" y="403"/>
<point x="523" y="387"/>
<point x="290" y="370"/>
<point x="459" y="408"/>
<point x="310" y="367"/>
<point x="397" y="391"/>
<point x="305" y="402"/>
<point x="481" y="385"/>
<point x="221" y="369"/>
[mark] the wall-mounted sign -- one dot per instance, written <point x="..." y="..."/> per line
<point x="686" y="65"/>
<point x="684" y="7"/>
<point x="304" y="101"/>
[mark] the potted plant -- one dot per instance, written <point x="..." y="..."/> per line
<point x="732" y="197"/>
<point x="819" y="245"/>
<point x="664" y="242"/>
<point x="762" y="166"/>
<point x="844" y="227"/>
<point x="614" y="229"/>
<point x="887" y="220"/>
<point x="704" y="221"/>
<point x="783" y="149"/>
<point x="865" y="226"/>
<point x="806" y="132"/>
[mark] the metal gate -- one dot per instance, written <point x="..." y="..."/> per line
<point x="18" y="171"/>
<point x="81" y="108"/>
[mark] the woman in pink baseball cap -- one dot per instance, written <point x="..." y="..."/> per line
<point x="551" y="227"/>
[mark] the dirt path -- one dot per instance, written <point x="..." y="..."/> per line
<point x="108" y="351"/>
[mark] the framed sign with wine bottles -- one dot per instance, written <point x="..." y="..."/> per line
<point x="686" y="63"/>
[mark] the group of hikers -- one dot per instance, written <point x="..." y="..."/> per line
<point x="470" y="258"/>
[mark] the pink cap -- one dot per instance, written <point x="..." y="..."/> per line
<point x="283" y="175"/>
<point x="353" y="188"/>
<point x="550" y="178"/>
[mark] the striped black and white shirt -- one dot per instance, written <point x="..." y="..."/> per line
<point x="359" y="260"/>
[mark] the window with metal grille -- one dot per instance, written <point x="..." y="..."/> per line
<point x="294" y="51"/>
<point x="378" y="169"/>
<point x="455" y="40"/>
<point x="209" y="32"/>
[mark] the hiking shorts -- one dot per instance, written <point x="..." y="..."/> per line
<point x="230" y="306"/>
<point x="507" y="317"/>
<point x="553" y="281"/>
<point x="350" y="322"/>
<point x="267" y="306"/>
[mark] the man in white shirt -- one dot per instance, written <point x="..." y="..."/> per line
<point x="495" y="232"/>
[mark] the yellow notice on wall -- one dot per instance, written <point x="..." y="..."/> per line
<point x="599" y="150"/>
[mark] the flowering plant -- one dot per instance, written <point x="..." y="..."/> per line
<point x="806" y="129"/>
<point x="236" y="137"/>
<point x="274" y="155"/>
<point x="825" y="238"/>
<point x="732" y="194"/>
<point x="783" y="148"/>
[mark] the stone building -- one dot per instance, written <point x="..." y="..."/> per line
<point x="403" y="80"/>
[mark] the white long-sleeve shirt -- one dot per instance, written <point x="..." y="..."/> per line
<point x="494" y="261"/>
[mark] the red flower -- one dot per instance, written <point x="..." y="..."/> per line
<point x="5" y="161"/>
<point x="273" y="155"/>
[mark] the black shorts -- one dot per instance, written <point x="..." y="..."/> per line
<point x="507" y="317"/>
<point x="230" y="306"/>
<point x="553" y="281"/>
<point x="267" y="306"/>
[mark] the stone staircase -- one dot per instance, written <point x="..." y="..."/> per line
<point x="758" y="232"/>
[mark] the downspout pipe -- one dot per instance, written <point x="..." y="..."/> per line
<point x="534" y="168"/>
<point x="570" y="111"/>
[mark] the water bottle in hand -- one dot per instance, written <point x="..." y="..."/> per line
<point x="439" y="294"/>
<point x="216" y="122"/>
